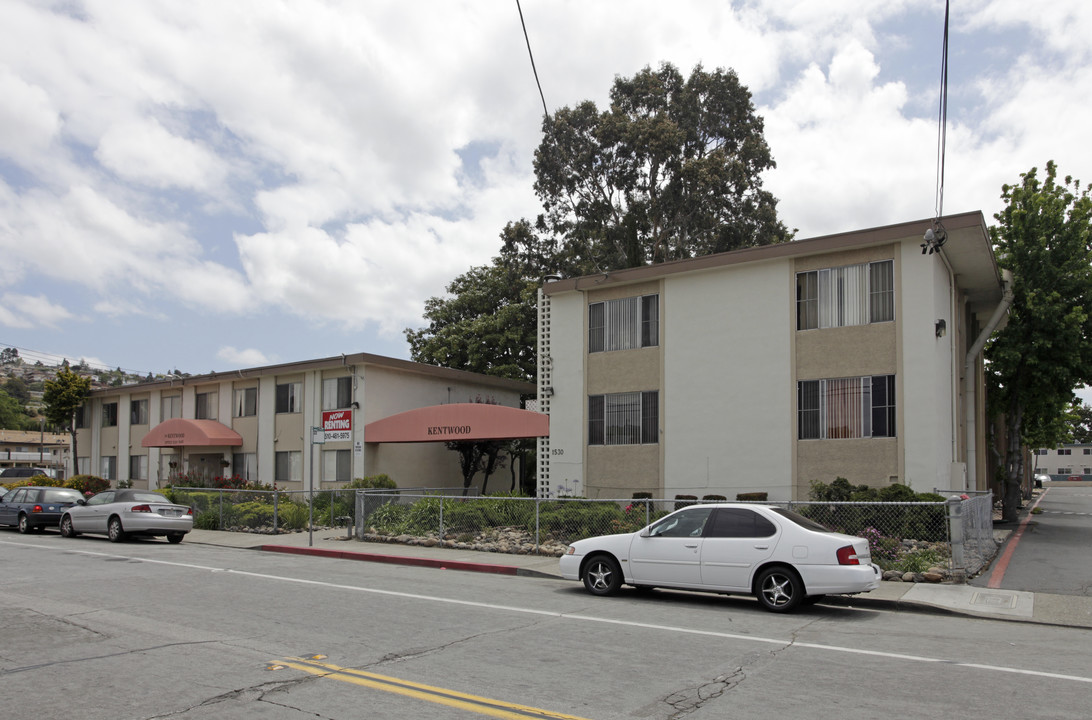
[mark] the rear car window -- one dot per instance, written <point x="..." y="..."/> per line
<point x="148" y="497"/>
<point x="61" y="495"/>
<point x="806" y="523"/>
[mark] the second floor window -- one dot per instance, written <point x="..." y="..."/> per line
<point x="289" y="396"/>
<point x="849" y="295"/>
<point x="337" y="393"/>
<point x="138" y="412"/>
<point x="205" y="406"/>
<point x="171" y="407"/>
<point x="624" y="324"/>
<point x="109" y="414"/>
<point x="246" y="402"/>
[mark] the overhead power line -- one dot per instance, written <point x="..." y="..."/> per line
<point x="52" y="359"/>
<point x="531" y="55"/>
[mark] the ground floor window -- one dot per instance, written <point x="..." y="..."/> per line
<point x="138" y="467"/>
<point x="289" y="466"/>
<point x="337" y="466"/>
<point x="109" y="467"/>
<point x="856" y="407"/>
<point x="631" y="418"/>
<point x="245" y="465"/>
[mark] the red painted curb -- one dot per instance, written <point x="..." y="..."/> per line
<point x="998" y="574"/>
<point x="394" y="559"/>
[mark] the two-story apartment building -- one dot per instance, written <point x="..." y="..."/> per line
<point x="855" y="355"/>
<point x="1064" y="462"/>
<point x="287" y="424"/>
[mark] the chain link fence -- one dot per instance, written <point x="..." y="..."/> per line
<point x="956" y="535"/>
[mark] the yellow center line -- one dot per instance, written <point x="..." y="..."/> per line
<point x="428" y="693"/>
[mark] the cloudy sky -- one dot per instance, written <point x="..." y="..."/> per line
<point x="208" y="185"/>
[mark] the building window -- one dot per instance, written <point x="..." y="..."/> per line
<point x="337" y="393"/>
<point x="624" y="324"/>
<point x="1088" y="451"/>
<point x="138" y="467"/>
<point x="1065" y="471"/>
<point x="110" y="414"/>
<point x="843" y="296"/>
<point x="337" y="466"/>
<point x="289" y="396"/>
<point x="171" y="407"/>
<point x="631" y="418"/>
<point x="81" y="417"/>
<point x="858" y="407"/>
<point x="138" y="412"/>
<point x="246" y="402"/>
<point x="245" y="465"/>
<point x="205" y="406"/>
<point x="109" y="467"/>
<point x="289" y="466"/>
<point x="1065" y="451"/>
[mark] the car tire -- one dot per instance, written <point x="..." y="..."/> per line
<point x="66" y="527"/>
<point x="779" y="589"/>
<point x="24" y="524"/>
<point x="114" y="530"/>
<point x="175" y="538"/>
<point x="601" y="575"/>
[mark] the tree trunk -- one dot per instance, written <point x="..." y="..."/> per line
<point x="75" y="454"/>
<point x="1014" y="466"/>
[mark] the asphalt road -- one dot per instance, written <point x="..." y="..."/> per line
<point x="150" y="630"/>
<point x="1052" y="553"/>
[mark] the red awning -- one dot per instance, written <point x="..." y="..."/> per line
<point x="180" y="432"/>
<point x="459" y="421"/>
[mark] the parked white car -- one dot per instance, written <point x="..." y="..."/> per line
<point x="119" y="514"/>
<point x="777" y="555"/>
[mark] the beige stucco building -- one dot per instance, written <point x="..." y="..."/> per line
<point x="855" y="355"/>
<point x="259" y="423"/>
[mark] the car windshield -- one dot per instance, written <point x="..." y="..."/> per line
<point x="806" y="523"/>
<point x="61" y="495"/>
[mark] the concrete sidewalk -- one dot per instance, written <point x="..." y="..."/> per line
<point x="1064" y="610"/>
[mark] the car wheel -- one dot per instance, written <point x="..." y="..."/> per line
<point x="779" y="589"/>
<point x="114" y="531"/>
<point x="602" y="576"/>
<point x="24" y="524"/>
<point x="66" y="527"/>
<point x="175" y="538"/>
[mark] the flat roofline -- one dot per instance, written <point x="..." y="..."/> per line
<point x="347" y="360"/>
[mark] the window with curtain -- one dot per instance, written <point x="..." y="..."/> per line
<point x="138" y="467"/>
<point x="858" y="407"/>
<point x="170" y="406"/>
<point x="245" y="465"/>
<point x="109" y="414"/>
<point x="205" y="406"/>
<point x="337" y="466"/>
<point x="337" y="393"/>
<point x="138" y="412"/>
<point x="843" y="296"/>
<point x="246" y="402"/>
<point x="624" y="324"/>
<point x="631" y="418"/>
<point x="289" y="396"/>
<point x="288" y="466"/>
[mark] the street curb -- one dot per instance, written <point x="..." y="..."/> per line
<point x="401" y="560"/>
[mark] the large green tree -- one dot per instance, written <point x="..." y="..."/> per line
<point x="1044" y="236"/>
<point x="64" y="395"/>
<point x="671" y="170"/>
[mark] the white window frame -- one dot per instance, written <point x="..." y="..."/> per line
<point x="624" y="323"/>
<point x="845" y="296"/>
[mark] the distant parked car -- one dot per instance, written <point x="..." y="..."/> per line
<point x="779" y="556"/>
<point x="34" y="508"/>
<point x="119" y="514"/>
<point x="1075" y="478"/>
<point x="1040" y="479"/>
<point x="17" y="473"/>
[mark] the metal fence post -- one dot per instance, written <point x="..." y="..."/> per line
<point x="955" y="536"/>
<point x="538" y="504"/>
<point x="441" y="518"/>
<point x="221" y="524"/>
<point x="275" y="512"/>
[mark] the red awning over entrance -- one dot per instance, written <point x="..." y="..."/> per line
<point x="459" y="421"/>
<point x="180" y="432"/>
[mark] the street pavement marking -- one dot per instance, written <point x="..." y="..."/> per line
<point x="428" y="693"/>
<point x="581" y="618"/>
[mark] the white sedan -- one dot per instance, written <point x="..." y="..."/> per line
<point x="119" y="514"/>
<point x="777" y="555"/>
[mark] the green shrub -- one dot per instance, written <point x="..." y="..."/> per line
<point x="292" y="515"/>
<point x="713" y="498"/>
<point x="918" y="561"/>
<point x="682" y="501"/>
<point x="37" y="481"/>
<point x="207" y="520"/>
<point x="380" y="481"/>
<point x="390" y="519"/>
<point x="251" y="514"/>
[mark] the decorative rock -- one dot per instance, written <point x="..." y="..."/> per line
<point x="893" y="575"/>
<point x="908" y="577"/>
<point x="933" y="577"/>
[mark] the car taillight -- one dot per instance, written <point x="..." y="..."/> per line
<point x="848" y="556"/>
<point x="141" y="508"/>
<point x="36" y="508"/>
<point x="189" y="511"/>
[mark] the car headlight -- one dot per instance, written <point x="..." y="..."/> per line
<point x="571" y="550"/>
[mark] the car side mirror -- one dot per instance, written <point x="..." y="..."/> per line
<point x="645" y="533"/>
<point x="81" y="501"/>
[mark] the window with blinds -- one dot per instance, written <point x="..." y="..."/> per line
<point x="631" y="418"/>
<point x="844" y="296"/>
<point x="858" y="407"/>
<point x="624" y="324"/>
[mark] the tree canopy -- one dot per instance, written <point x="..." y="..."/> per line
<point x="1044" y="236"/>
<point x="64" y="395"/>
<point x="671" y="170"/>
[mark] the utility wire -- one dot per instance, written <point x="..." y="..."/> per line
<point x="942" y="129"/>
<point x="51" y="359"/>
<point x="531" y="55"/>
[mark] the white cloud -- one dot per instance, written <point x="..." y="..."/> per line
<point x="27" y="311"/>
<point x="144" y="152"/>
<point x="238" y="358"/>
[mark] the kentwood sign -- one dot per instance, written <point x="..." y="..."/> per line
<point x="337" y="425"/>
<point x="449" y="430"/>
